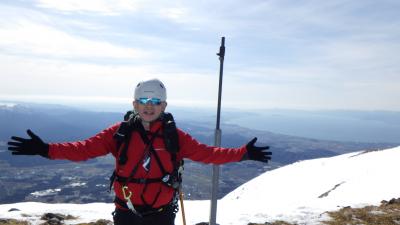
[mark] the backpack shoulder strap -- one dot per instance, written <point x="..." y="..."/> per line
<point x="123" y="135"/>
<point x="123" y="138"/>
<point x="170" y="133"/>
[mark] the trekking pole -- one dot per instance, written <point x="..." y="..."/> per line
<point x="217" y="139"/>
<point x="182" y="207"/>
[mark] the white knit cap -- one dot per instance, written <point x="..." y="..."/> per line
<point x="153" y="88"/>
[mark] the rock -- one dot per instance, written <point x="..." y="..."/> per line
<point x="391" y="201"/>
<point x="13" y="210"/>
<point x="394" y="201"/>
<point x="49" y="216"/>
<point x="53" y="219"/>
<point x="13" y="222"/>
<point x="99" y="222"/>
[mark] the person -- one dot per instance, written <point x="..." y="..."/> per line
<point x="147" y="171"/>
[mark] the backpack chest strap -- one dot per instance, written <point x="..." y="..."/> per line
<point x="126" y="180"/>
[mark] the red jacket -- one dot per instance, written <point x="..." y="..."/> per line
<point x="103" y="143"/>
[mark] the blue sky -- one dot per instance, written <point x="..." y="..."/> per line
<point x="280" y="54"/>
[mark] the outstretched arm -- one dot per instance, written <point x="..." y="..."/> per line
<point x="192" y="149"/>
<point x="98" y="145"/>
<point x="196" y="151"/>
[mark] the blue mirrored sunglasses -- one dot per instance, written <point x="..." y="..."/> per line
<point x="152" y="101"/>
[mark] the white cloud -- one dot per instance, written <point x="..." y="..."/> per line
<point x="107" y="7"/>
<point x="365" y="55"/>
<point x="25" y="76"/>
<point x="174" y="14"/>
<point x="29" y="38"/>
<point x="304" y="54"/>
<point x="42" y="79"/>
<point x="174" y="11"/>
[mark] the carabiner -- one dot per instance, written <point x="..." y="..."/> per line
<point x="124" y="190"/>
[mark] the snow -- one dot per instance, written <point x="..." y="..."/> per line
<point x="46" y="192"/>
<point x="296" y="192"/>
<point x="299" y="193"/>
<point x="32" y="211"/>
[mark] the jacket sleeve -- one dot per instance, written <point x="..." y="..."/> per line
<point x="98" y="145"/>
<point x="196" y="151"/>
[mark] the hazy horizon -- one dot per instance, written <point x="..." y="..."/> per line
<point x="336" y="125"/>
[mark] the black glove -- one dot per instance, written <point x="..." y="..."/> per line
<point x="33" y="146"/>
<point x="257" y="153"/>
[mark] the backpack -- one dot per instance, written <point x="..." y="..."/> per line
<point x="132" y="123"/>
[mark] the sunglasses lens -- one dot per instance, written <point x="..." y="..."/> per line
<point x="153" y="101"/>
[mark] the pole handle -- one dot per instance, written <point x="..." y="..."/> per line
<point x="221" y="52"/>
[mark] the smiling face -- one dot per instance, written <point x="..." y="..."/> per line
<point x="150" y="100"/>
<point x="149" y="112"/>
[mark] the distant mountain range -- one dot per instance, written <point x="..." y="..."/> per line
<point x="35" y="178"/>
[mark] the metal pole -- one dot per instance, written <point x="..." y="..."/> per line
<point x="182" y="206"/>
<point x="217" y="140"/>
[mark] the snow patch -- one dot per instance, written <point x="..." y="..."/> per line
<point x="77" y="184"/>
<point x="45" y="192"/>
